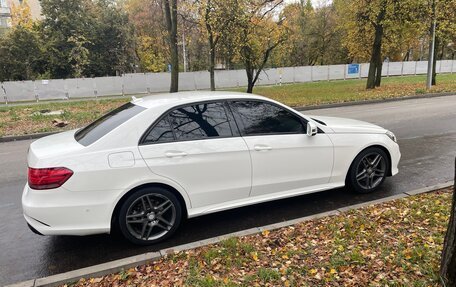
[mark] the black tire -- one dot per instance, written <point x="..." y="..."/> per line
<point x="365" y="175"/>
<point x="142" y="224"/>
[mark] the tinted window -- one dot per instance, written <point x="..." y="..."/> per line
<point x="107" y="123"/>
<point x="263" y="118"/>
<point x="161" y="132"/>
<point x="200" y="121"/>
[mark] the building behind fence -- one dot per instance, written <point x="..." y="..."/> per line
<point x="142" y="83"/>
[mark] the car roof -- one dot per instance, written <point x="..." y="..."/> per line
<point x="174" y="99"/>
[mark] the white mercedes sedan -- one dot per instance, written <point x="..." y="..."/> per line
<point x="144" y="167"/>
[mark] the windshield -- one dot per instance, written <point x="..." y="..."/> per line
<point x="107" y="123"/>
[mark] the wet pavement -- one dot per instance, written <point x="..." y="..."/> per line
<point x="426" y="129"/>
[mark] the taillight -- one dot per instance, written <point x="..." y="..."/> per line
<point x="47" y="178"/>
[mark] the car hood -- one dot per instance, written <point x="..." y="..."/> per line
<point x="343" y="125"/>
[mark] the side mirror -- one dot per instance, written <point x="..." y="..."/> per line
<point x="312" y="129"/>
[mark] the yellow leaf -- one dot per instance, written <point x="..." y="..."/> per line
<point x="313" y="271"/>
<point x="332" y="271"/>
<point x="265" y="233"/>
<point x="254" y="256"/>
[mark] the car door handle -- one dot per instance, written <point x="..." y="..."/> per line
<point x="175" y="154"/>
<point x="262" y="148"/>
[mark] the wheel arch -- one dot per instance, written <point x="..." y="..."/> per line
<point x="145" y="185"/>
<point x="383" y="148"/>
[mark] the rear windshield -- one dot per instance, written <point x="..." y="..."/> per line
<point x="107" y="123"/>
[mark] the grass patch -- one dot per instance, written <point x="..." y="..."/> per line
<point x="396" y="243"/>
<point x="315" y="93"/>
<point x="18" y="120"/>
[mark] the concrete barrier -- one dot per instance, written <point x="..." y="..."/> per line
<point x="143" y="83"/>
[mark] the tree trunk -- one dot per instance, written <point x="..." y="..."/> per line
<point x="212" y="69"/>
<point x="249" y="70"/>
<point x="448" y="263"/>
<point x="376" y="59"/>
<point x="434" y="60"/>
<point x="170" y="7"/>
<point x="212" y="45"/>
<point x="375" y="67"/>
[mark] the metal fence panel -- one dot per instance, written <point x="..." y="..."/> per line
<point x="2" y="94"/>
<point x="421" y="67"/>
<point x="51" y="89"/>
<point x="409" y="68"/>
<point x="320" y="73"/>
<point x="395" y="68"/>
<point x="269" y="77"/>
<point x="286" y="75"/>
<point x="135" y="83"/>
<point x="108" y="86"/>
<point x="19" y="91"/>
<point x="364" y="70"/>
<point x="158" y="82"/>
<point x="187" y="81"/>
<point x="227" y="79"/>
<point x="337" y="72"/>
<point x="445" y="66"/>
<point x="303" y="74"/>
<point x="202" y="80"/>
<point x="80" y="88"/>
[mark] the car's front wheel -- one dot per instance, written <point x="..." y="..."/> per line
<point x="368" y="170"/>
<point x="149" y="215"/>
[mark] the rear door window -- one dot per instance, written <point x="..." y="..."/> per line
<point x="207" y="120"/>
<point x="99" y="128"/>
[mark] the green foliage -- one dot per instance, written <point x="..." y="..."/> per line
<point x="20" y="54"/>
<point x="78" y="38"/>
<point x="314" y="37"/>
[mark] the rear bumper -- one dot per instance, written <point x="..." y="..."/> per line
<point x="62" y="212"/>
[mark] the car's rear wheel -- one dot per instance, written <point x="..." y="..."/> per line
<point x="149" y="215"/>
<point x="368" y="170"/>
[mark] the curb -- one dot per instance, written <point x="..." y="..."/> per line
<point x="376" y="101"/>
<point x="125" y="263"/>
<point x="299" y="108"/>
<point x="26" y="137"/>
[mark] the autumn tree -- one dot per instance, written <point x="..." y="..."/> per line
<point x="218" y="18"/>
<point x="150" y="34"/>
<point x="259" y="34"/>
<point x="21" y="48"/>
<point x="444" y="13"/>
<point x="371" y="25"/>
<point x="21" y="15"/>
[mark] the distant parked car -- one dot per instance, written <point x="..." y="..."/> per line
<point x="145" y="166"/>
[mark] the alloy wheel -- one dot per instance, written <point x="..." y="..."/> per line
<point x="150" y="216"/>
<point x="371" y="170"/>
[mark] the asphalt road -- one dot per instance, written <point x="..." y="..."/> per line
<point x="426" y="129"/>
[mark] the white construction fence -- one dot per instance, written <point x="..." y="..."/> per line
<point x="142" y="83"/>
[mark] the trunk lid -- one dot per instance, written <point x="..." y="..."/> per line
<point x="51" y="148"/>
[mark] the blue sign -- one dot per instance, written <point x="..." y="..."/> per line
<point x="169" y="68"/>
<point x="353" y="69"/>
